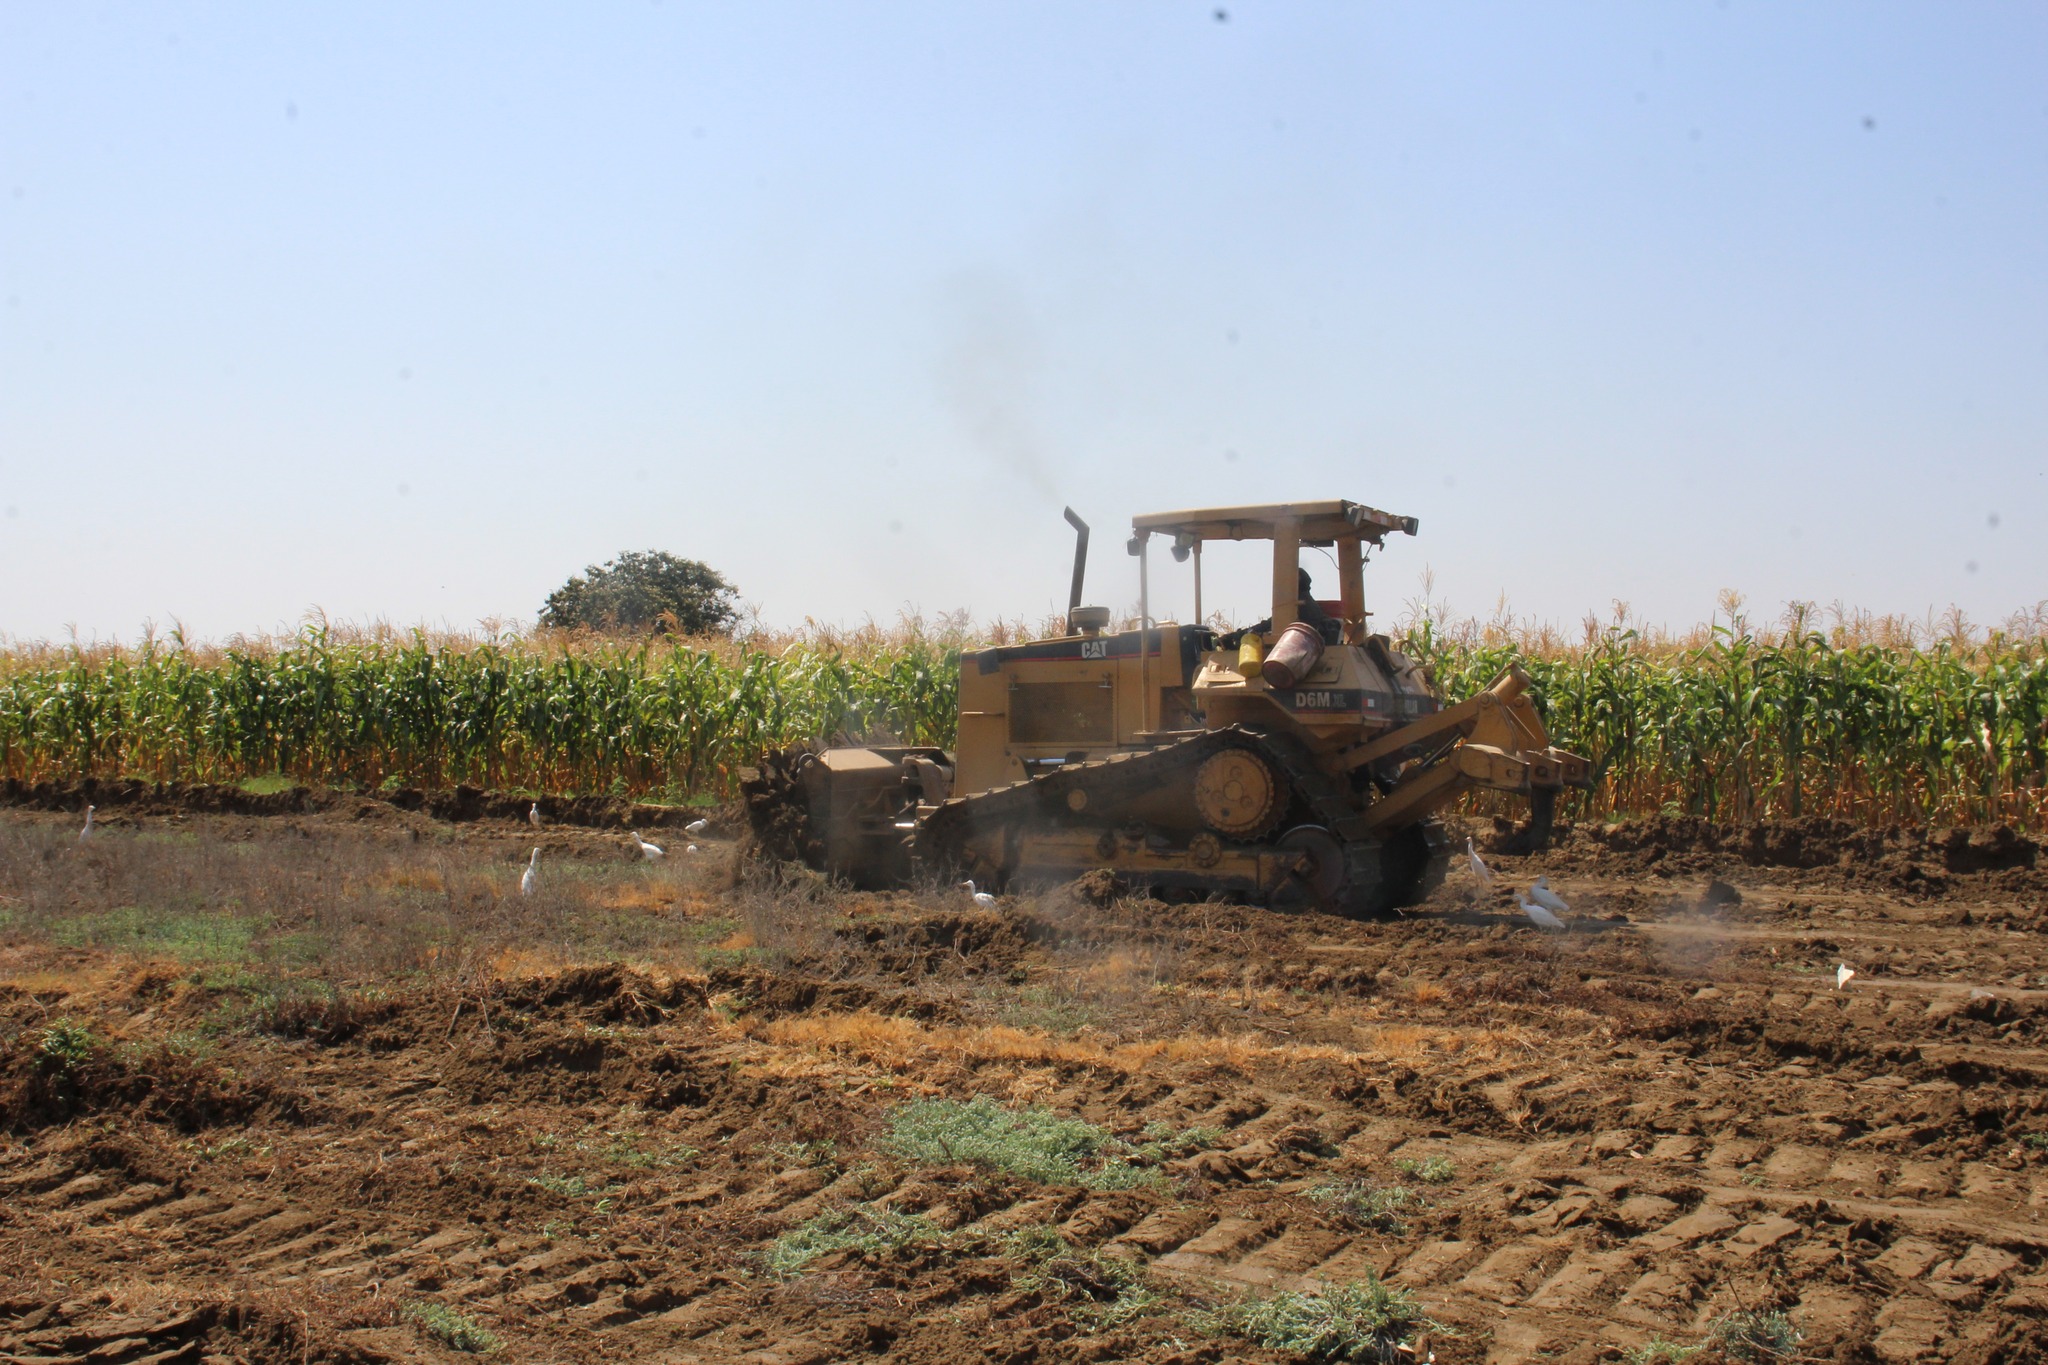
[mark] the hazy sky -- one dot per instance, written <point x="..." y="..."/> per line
<point x="410" y="311"/>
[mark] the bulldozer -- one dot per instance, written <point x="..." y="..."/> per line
<point x="1300" y="762"/>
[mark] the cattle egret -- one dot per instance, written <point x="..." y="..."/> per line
<point x="533" y="815"/>
<point x="648" y="851"/>
<point x="1548" y="899"/>
<point x="689" y="848"/>
<point x="696" y="827"/>
<point x="531" y="877"/>
<point x="984" y="900"/>
<point x="1478" y="865"/>
<point x="1540" y="916"/>
<point x="86" y="833"/>
<point x="968" y="887"/>
<point x="1843" y="972"/>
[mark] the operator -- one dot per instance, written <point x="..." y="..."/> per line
<point x="1307" y="609"/>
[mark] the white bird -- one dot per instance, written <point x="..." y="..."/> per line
<point x="696" y="827"/>
<point x="530" y="878"/>
<point x="648" y="851"/>
<point x="1843" y="971"/>
<point x="86" y="833"/>
<point x="968" y="887"/>
<point x="984" y="900"/>
<point x="533" y="815"/>
<point x="1548" y="899"/>
<point x="1542" y="917"/>
<point x="689" y="848"/>
<point x="1478" y="864"/>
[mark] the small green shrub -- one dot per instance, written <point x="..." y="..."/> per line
<point x="1756" y="1338"/>
<point x="1097" y="1289"/>
<point x="1435" y="1170"/>
<point x="312" y="1009"/>
<point x="2038" y="1141"/>
<point x="729" y="959"/>
<point x="241" y="1145"/>
<point x="1657" y="1351"/>
<point x="64" y="1047"/>
<point x="1364" y="1322"/>
<point x="1365" y="1205"/>
<point x="1049" y="1011"/>
<point x="451" y="1328"/>
<point x="805" y="1155"/>
<point x="667" y="1156"/>
<point x="868" y="1230"/>
<point x="1034" y="1144"/>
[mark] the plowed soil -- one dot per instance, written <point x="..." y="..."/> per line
<point x="1668" y="1113"/>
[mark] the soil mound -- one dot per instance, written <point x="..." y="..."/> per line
<point x="160" y="798"/>
<point x="607" y="994"/>
<point x="57" y="1082"/>
<point x="1905" y="857"/>
<point x="459" y="804"/>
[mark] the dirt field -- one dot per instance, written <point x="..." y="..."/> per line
<point x="308" y="1080"/>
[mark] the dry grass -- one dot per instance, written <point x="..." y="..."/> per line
<point x="341" y="905"/>
<point x="903" y="1046"/>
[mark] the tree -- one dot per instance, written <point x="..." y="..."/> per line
<point x="645" y="590"/>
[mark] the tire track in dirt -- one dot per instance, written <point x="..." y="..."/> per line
<point x="1649" y="1127"/>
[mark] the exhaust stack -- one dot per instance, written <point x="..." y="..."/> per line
<point x="1080" y="565"/>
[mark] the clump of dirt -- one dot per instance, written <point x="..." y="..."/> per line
<point x="462" y="804"/>
<point x="608" y="994"/>
<point x="326" y="1016"/>
<point x="459" y="804"/>
<point x="1987" y="850"/>
<point x="917" y="945"/>
<point x="45" y="1081"/>
<point x="1820" y="842"/>
<point x="160" y="798"/>
<point x="770" y="995"/>
<point x="257" y="1331"/>
<point x="1910" y="858"/>
<point x="1718" y="895"/>
<point x="1100" y="888"/>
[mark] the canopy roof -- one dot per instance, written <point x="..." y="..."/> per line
<point x="1320" y="523"/>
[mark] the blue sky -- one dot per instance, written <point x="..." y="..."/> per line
<point x="412" y="311"/>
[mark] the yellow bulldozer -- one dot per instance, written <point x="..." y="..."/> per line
<point x="1301" y="761"/>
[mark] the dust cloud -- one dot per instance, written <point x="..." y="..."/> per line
<point x="989" y="373"/>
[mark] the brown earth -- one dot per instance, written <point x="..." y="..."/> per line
<point x="134" y="796"/>
<point x="1665" y="1115"/>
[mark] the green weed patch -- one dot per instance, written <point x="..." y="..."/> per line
<point x="1351" y="1322"/>
<point x="865" y="1229"/>
<point x="1033" y="1144"/>
<point x="183" y="935"/>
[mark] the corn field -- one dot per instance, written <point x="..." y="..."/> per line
<point x="1732" y="725"/>
<point x="596" y="717"/>
<point x="1739" y="729"/>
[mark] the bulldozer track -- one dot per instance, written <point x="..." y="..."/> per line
<point x="1328" y="801"/>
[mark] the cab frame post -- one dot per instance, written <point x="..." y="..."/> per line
<point x="1286" y="573"/>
